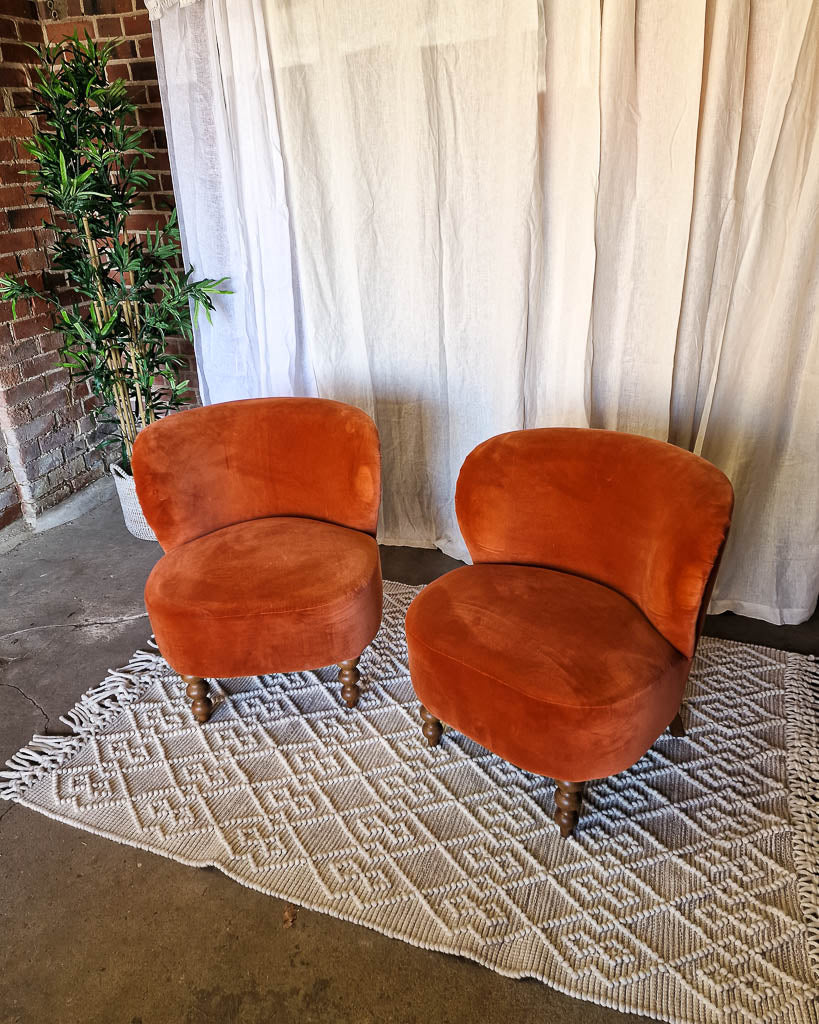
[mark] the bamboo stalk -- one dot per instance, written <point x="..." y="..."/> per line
<point x="94" y="256"/>
<point x="128" y="313"/>
<point x="149" y="410"/>
<point x="120" y="405"/>
<point x="122" y="401"/>
<point x="123" y="409"/>
<point x="131" y="315"/>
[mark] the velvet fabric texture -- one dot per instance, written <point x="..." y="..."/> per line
<point x="641" y="516"/>
<point x="566" y="647"/>
<point x="557" y="674"/>
<point x="267" y="510"/>
<point x="203" y="469"/>
<point x="277" y="594"/>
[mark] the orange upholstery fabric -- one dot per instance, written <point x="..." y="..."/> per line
<point x="566" y="647"/>
<point x="277" y="594"/>
<point x="203" y="469"/>
<point x="557" y="674"/>
<point x="267" y="511"/>
<point x="638" y="515"/>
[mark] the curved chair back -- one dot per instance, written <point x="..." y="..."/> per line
<point x="203" y="469"/>
<point x="643" y="517"/>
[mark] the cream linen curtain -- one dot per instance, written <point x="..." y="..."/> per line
<point x="223" y="140"/>
<point x="469" y="217"/>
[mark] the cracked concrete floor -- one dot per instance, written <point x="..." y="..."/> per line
<point x="92" y="932"/>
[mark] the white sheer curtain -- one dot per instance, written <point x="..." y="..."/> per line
<point x="226" y="161"/>
<point x="473" y="217"/>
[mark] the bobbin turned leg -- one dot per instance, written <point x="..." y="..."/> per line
<point x="433" y="730"/>
<point x="677" y="728"/>
<point x="568" y="796"/>
<point x="348" y="676"/>
<point x="197" y="690"/>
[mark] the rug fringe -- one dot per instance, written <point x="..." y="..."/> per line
<point x="802" y="743"/>
<point x="95" y="708"/>
<point x="102" y="704"/>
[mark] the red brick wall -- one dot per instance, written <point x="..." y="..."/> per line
<point x="9" y="494"/>
<point x="31" y="387"/>
<point x="46" y="420"/>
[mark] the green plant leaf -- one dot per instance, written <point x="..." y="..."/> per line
<point x="90" y="168"/>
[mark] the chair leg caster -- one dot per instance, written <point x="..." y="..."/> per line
<point x="197" y="690"/>
<point x="348" y="676"/>
<point x="677" y="728"/>
<point x="433" y="730"/>
<point x="568" y="797"/>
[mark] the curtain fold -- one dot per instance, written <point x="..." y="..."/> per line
<point x="760" y="417"/>
<point x="215" y="77"/>
<point x="650" y="77"/>
<point x="468" y="218"/>
<point x="557" y="381"/>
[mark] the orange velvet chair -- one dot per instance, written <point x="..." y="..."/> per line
<point x="566" y="646"/>
<point x="266" y="510"/>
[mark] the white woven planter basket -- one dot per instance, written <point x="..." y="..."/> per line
<point x="135" y="521"/>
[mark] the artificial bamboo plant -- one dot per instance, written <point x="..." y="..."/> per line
<point x="127" y="294"/>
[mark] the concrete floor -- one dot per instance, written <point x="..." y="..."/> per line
<point x="91" y="931"/>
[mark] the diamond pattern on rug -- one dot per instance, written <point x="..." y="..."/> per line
<point x="688" y="894"/>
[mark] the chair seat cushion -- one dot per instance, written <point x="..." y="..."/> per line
<point x="557" y="674"/>
<point x="269" y="595"/>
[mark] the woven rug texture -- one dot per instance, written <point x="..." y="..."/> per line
<point x="690" y="892"/>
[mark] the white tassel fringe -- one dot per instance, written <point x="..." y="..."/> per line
<point x="94" y="710"/>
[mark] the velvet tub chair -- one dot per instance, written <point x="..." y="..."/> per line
<point x="566" y="645"/>
<point x="266" y="510"/>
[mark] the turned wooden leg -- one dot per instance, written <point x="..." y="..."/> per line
<point x="677" y="728"/>
<point x="433" y="730"/>
<point x="197" y="690"/>
<point x="348" y="676"/>
<point x="568" y="796"/>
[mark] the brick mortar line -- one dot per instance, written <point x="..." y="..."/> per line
<point x="35" y="415"/>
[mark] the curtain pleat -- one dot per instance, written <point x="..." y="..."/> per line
<point x="218" y="97"/>
<point x="410" y="133"/>
<point x="760" y="422"/>
<point x="564" y="212"/>
<point x="469" y="218"/>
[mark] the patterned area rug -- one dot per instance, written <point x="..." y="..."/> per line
<point x="690" y="893"/>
